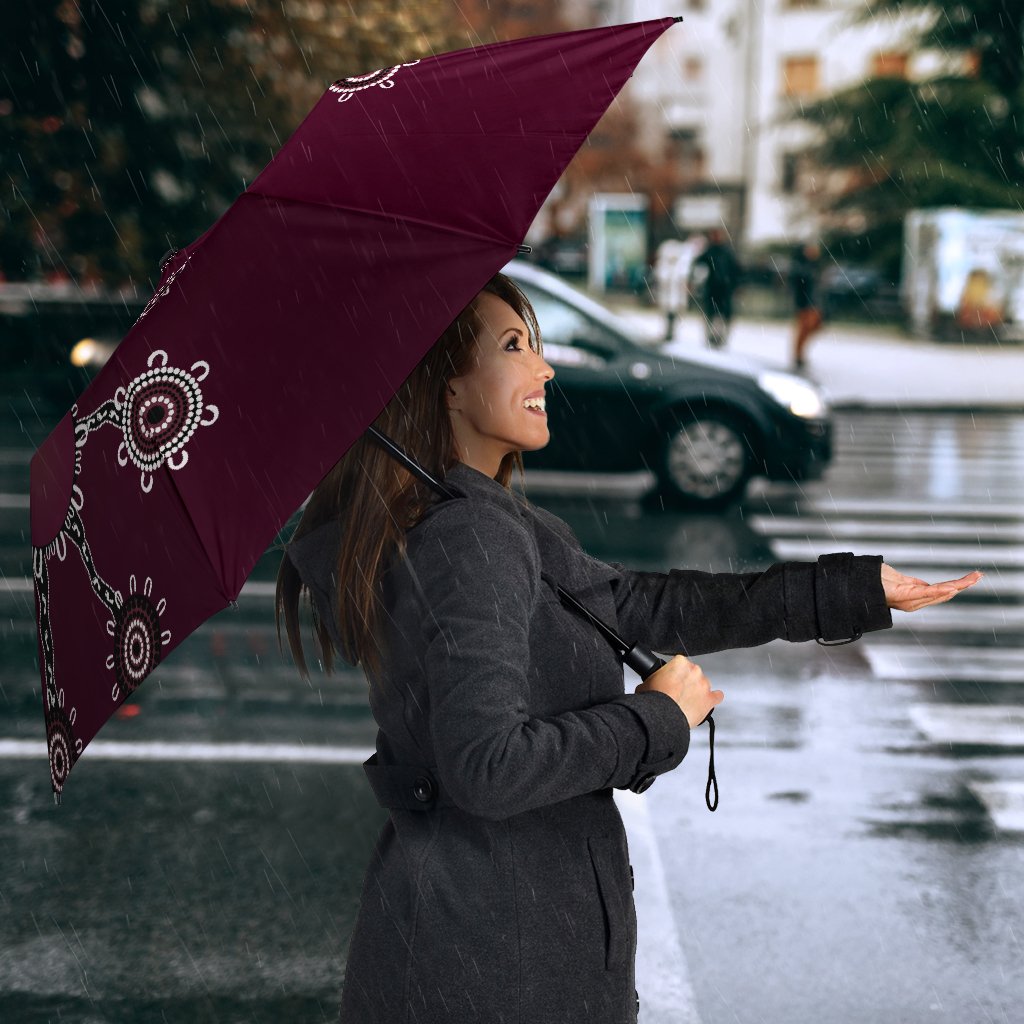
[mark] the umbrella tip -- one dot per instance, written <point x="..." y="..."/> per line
<point x="680" y="18"/>
<point x="167" y="257"/>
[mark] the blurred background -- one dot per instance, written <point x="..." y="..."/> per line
<point x="868" y="158"/>
<point x="129" y="129"/>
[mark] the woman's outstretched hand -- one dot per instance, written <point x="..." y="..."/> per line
<point x="908" y="593"/>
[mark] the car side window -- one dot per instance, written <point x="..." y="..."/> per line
<point x="564" y="328"/>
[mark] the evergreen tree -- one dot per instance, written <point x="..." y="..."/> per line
<point x="129" y="126"/>
<point x="956" y="138"/>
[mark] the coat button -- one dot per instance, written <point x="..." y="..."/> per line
<point x="637" y="994"/>
<point x="631" y="885"/>
<point x="643" y="783"/>
<point x="423" y="789"/>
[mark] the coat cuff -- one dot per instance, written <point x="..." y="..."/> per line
<point x="849" y="597"/>
<point x="668" y="735"/>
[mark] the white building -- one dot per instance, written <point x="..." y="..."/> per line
<point x="723" y="82"/>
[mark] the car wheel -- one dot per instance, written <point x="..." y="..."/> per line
<point x="705" y="461"/>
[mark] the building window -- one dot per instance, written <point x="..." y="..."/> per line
<point x="790" y="173"/>
<point x="800" y="76"/>
<point x="688" y="151"/>
<point x="796" y="174"/>
<point x="693" y="69"/>
<point x="889" y="64"/>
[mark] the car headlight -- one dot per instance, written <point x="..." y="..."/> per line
<point x="799" y="397"/>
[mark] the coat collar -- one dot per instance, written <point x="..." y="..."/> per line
<point x="315" y="555"/>
<point x="474" y="484"/>
<point x="562" y="556"/>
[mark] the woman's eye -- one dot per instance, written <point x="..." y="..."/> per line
<point x="513" y="341"/>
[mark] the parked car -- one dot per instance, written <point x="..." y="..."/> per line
<point x="703" y="423"/>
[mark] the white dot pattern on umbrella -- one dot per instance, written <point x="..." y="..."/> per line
<point x="381" y="79"/>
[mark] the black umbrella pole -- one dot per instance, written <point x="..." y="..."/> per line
<point x="410" y="464"/>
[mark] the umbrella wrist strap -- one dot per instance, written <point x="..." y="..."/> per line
<point x="712" y="778"/>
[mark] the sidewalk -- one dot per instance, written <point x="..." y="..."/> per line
<point x="863" y="365"/>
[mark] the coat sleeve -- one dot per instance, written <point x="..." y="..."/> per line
<point x="478" y="573"/>
<point x="839" y="597"/>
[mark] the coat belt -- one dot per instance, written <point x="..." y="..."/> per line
<point x="406" y="787"/>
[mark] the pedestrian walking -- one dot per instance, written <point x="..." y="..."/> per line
<point x="500" y="887"/>
<point x="803" y="280"/>
<point x="721" y="273"/>
<point x="672" y="267"/>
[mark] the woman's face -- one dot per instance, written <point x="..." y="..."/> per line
<point x="488" y="416"/>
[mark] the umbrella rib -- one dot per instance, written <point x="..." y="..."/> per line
<point x="446" y="229"/>
<point x="216" y="577"/>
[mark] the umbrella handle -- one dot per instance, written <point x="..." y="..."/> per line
<point x="645" y="663"/>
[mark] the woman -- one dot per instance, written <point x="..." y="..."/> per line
<point x="500" y="886"/>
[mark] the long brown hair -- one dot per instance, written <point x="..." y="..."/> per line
<point x="375" y="499"/>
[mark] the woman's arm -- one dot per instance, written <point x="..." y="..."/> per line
<point x="478" y="575"/>
<point x="838" y="597"/>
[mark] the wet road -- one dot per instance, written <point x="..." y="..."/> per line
<point x="863" y="865"/>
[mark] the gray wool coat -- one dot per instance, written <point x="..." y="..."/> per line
<point x="500" y="888"/>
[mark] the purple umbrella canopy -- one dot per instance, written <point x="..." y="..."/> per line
<point x="276" y="338"/>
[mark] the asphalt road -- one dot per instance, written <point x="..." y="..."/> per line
<point x="863" y="865"/>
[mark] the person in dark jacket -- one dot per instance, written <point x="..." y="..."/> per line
<point x="721" y="272"/>
<point x="803" y="280"/>
<point x="500" y="886"/>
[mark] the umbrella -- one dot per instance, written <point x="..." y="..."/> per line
<point x="276" y="338"/>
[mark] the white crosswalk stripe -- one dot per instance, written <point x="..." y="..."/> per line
<point x="936" y="663"/>
<point x="914" y="529"/>
<point x="1004" y="802"/>
<point x="962" y="510"/>
<point x="985" y="725"/>
<point x="971" y="556"/>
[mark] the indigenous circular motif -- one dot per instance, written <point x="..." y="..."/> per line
<point x="61" y="746"/>
<point x="136" y="642"/>
<point x="382" y="78"/>
<point x="160" y="412"/>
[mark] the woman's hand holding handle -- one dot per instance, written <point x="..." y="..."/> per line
<point x="687" y="685"/>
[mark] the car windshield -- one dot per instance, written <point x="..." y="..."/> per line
<point x="563" y="323"/>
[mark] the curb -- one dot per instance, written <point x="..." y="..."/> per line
<point x="853" y="405"/>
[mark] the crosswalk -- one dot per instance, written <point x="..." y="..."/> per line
<point x="936" y="496"/>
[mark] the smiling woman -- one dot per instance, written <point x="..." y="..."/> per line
<point x="471" y="357"/>
<point x="500" y="886"/>
<point x="499" y="406"/>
